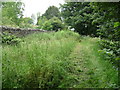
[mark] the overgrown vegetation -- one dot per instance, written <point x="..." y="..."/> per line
<point x="56" y="60"/>
<point x="40" y="61"/>
<point x="44" y="60"/>
<point x="111" y="51"/>
<point x="9" y="39"/>
<point x="96" y="19"/>
<point x="12" y="15"/>
<point x="52" y="24"/>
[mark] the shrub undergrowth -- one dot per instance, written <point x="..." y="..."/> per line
<point x="110" y="50"/>
<point x="9" y="39"/>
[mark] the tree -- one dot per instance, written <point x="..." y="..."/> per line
<point x="41" y="20"/>
<point x="12" y="11"/>
<point x="52" y="24"/>
<point x="56" y="24"/>
<point x="26" y="22"/>
<point x="108" y="21"/>
<point x="51" y="12"/>
<point x="78" y="16"/>
<point x="96" y="18"/>
<point x="47" y="26"/>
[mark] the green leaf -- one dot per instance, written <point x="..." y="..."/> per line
<point x="116" y="24"/>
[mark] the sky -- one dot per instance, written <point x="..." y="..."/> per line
<point x="35" y="6"/>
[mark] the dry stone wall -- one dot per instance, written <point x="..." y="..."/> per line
<point x="19" y="31"/>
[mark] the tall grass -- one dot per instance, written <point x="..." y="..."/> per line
<point x="40" y="61"/>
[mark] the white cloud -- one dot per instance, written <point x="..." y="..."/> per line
<point x="34" y="6"/>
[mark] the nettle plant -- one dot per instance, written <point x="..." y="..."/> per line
<point x="9" y="39"/>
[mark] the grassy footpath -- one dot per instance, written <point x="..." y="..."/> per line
<point x="91" y="70"/>
<point x="56" y="60"/>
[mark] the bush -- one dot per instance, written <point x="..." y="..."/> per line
<point x="111" y="49"/>
<point x="8" y="22"/>
<point x="9" y="39"/>
<point x="47" y="26"/>
<point x="56" y="24"/>
<point x="51" y="24"/>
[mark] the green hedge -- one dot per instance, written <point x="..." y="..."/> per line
<point x="111" y="49"/>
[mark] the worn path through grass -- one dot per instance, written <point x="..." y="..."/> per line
<point x="90" y="68"/>
<point x="56" y="60"/>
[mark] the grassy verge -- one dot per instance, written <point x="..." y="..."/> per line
<point x="40" y="61"/>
